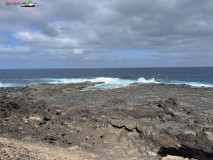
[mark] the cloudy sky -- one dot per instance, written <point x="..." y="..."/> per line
<point x="107" y="33"/>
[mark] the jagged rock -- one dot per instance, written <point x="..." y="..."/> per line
<point x="145" y="129"/>
<point x="167" y="104"/>
<point x="51" y="139"/>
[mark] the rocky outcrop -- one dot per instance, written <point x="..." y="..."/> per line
<point x="110" y="128"/>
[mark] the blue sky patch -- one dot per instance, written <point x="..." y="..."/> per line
<point x="12" y="40"/>
<point x="133" y="53"/>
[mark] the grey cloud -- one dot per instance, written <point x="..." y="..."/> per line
<point x="85" y="31"/>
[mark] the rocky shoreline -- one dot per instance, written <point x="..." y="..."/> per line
<point x="141" y="121"/>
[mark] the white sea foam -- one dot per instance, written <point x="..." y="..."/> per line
<point x="10" y="85"/>
<point x="5" y="85"/>
<point x="108" y="82"/>
<point x="143" y="80"/>
<point x="117" y="82"/>
<point x="78" y="80"/>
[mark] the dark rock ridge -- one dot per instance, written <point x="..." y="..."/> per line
<point x="136" y="122"/>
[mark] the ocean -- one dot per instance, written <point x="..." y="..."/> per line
<point x="113" y="77"/>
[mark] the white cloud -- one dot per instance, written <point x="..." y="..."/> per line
<point x="78" y="51"/>
<point x="36" y="38"/>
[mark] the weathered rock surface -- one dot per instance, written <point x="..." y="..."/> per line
<point x="136" y="122"/>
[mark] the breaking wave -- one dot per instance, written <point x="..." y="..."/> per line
<point x="5" y="85"/>
<point x="9" y="85"/>
<point x="117" y="82"/>
<point x="108" y="82"/>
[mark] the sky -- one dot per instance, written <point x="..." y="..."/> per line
<point x="107" y="34"/>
